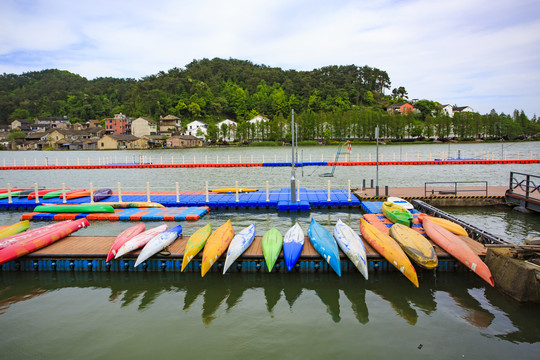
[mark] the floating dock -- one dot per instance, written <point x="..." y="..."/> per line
<point x="82" y="253"/>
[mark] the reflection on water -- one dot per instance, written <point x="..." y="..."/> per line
<point x="453" y="293"/>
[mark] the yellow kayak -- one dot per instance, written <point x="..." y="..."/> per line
<point x="446" y="224"/>
<point x="196" y="243"/>
<point x="415" y="245"/>
<point x="14" y="229"/>
<point x="216" y="245"/>
<point x="232" y="190"/>
<point x="389" y="249"/>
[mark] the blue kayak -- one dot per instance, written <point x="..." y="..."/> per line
<point x="325" y="244"/>
<point x="293" y="243"/>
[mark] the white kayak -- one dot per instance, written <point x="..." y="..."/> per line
<point x="352" y="245"/>
<point x="140" y="240"/>
<point x="238" y="245"/>
<point x="158" y="243"/>
<point x="401" y="202"/>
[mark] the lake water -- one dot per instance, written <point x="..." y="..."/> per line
<point x="285" y="315"/>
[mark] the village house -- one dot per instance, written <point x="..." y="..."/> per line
<point x="462" y="109"/>
<point x="120" y="142"/>
<point x="257" y="126"/>
<point x="183" y="141"/>
<point x="169" y="125"/>
<point x="22" y="125"/>
<point x="53" y="122"/>
<point x="227" y="130"/>
<point x="155" y="141"/>
<point x="400" y="108"/>
<point x="117" y="125"/>
<point x="196" y="128"/>
<point x="143" y="126"/>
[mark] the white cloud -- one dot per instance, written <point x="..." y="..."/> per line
<point x="482" y="53"/>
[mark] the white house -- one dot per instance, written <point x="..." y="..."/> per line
<point x="230" y="134"/>
<point x="447" y="110"/>
<point x="257" y="119"/>
<point x="193" y="128"/>
<point x="463" y="109"/>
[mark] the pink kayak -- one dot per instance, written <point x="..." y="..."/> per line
<point x="140" y="240"/>
<point x="124" y="237"/>
<point x="30" y="234"/>
<point x="24" y="247"/>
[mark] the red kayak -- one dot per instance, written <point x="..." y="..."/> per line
<point x="24" y="247"/>
<point x="32" y="195"/>
<point x="124" y="237"/>
<point x="456" y="247"/>
<point x="4" y="190"/>
<point x="30" y="234"/>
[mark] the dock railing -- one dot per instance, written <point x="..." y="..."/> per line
<point x="454" y="187"/>
<point x="525" y="184"/>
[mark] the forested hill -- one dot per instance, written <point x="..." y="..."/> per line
<point x="210" y="90"/>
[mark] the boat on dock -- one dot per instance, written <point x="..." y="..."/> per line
<point x="397" y="214"/>
<point x="158" y="243"/>
<point x="352" y="246"/>
<point x="325" y="244"/>
<point x="216" y="245"/>
<point x="416" y="246"/>
<point x="140" y="240"/>
<point x="124" y="237"/>
<point x="293" y="243"/>
<point x="239" y="244"/>
<point x="196" y="243"/>
<point x="272" y="243"/>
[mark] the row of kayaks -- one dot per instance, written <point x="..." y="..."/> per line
<point x="30" y="193"/>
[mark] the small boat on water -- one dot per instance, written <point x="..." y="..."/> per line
<point x="456" y="247"/>
<point x="389" y="249"/>
<point x="24" y="247"/>
<point x="352" y="245"/>
<point x="293" y="243"/>
<point x="272" y="242"/>
<point x="415" y="245"/>
<point x="158" y="243"/>
<point x="397" y="214"/>
<point x="74" y="208"/>
<point x="447" y="224"/>
<point x="140" y="240"/>
<point x="216" y="245"/>
<point x="124" y="237"/>
<point x="325" y="244"/>
<point x="239" y="244"/>
<point x="14" y="229"/>
<point x="196" y="243"/>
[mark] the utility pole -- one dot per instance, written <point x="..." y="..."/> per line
<point x="293" y="179"/>
<point x="377" y="172"/>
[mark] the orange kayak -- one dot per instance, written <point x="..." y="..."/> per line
<point x="447" y="224"/>
<point x="216" y="245"/>
<point x="77" y="194"/>
<point x="389" y="249"/>
<point x="456" y="247"/>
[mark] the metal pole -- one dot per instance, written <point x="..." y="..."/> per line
<point x="293" y="180"/>
<point x="377" y="171"/>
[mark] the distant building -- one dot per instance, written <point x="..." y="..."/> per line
<point x="117" y="125"/>
<point x="119" y="142"/>
<point x="400" y="108"/>
<point x="183" y="141"/>
<point x="194" y="127"/>
<point x="447" y="109"/>
<point x="53" y="122"/>
<point x="230" y="134"/>
<point x="463" y="109"/>
<point x="22" y="124"/>
<point x="170" y="124"/>
<point x="143" y="126"/>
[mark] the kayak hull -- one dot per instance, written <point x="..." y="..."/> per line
<point x="397" y="214"/>
<point x="140" y="240"/>
<point x="415" y="245"/>
<point x="352" y="245"/>
<point x="24" y="247"/>
<point x="124" y="237"/>
<point x="447" y="224"/>
<point x="30" y="234"/>
<point x="92" y="208"/>
<point x="196" y="243"/>
<point x="325" y="244"/>
<point x="293" y="243"/>
<point x="239" y="244"/>
<point x="216" y="245"/>
<point x="14" y="229"/>
<point x="158" y="243"/>
<point x="272" y="243"/>
<point x="456" y="247"/>
<point x="389" y="249"/>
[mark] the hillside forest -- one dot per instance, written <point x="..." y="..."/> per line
<point x="332" y="103"/>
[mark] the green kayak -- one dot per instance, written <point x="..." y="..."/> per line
<point x="397" y="214"/>
<point x="95" y="208"/>
<point x="13" y="193"/>
<point x="53" y="194"/>
<point x="272" y="242"/>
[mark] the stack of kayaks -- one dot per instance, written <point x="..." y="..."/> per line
<point x="397" y="214"/>
<point x="293" y="243"/>
<point x="415" y="245"/>
<point x="389" y="249"/>
<point x="37" y="240"/>
<point x="456" y="247"/>
<point x="139" y="240"/>
<point x="272" y="242"/>
<point x="124" y="237"/>
<point x="239" y="244"/>
<point x="324" y="243"/>
<point x="41" y="193"/>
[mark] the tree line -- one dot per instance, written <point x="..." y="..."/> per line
<point x="331" y="102"/>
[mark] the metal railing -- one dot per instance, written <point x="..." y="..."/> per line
<point x="525" y="183"/>
<point x="453" y="187"/>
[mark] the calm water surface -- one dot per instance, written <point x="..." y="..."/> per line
<point x="285" y="315"/>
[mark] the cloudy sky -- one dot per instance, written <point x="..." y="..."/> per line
<point x="481" y="53"/>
